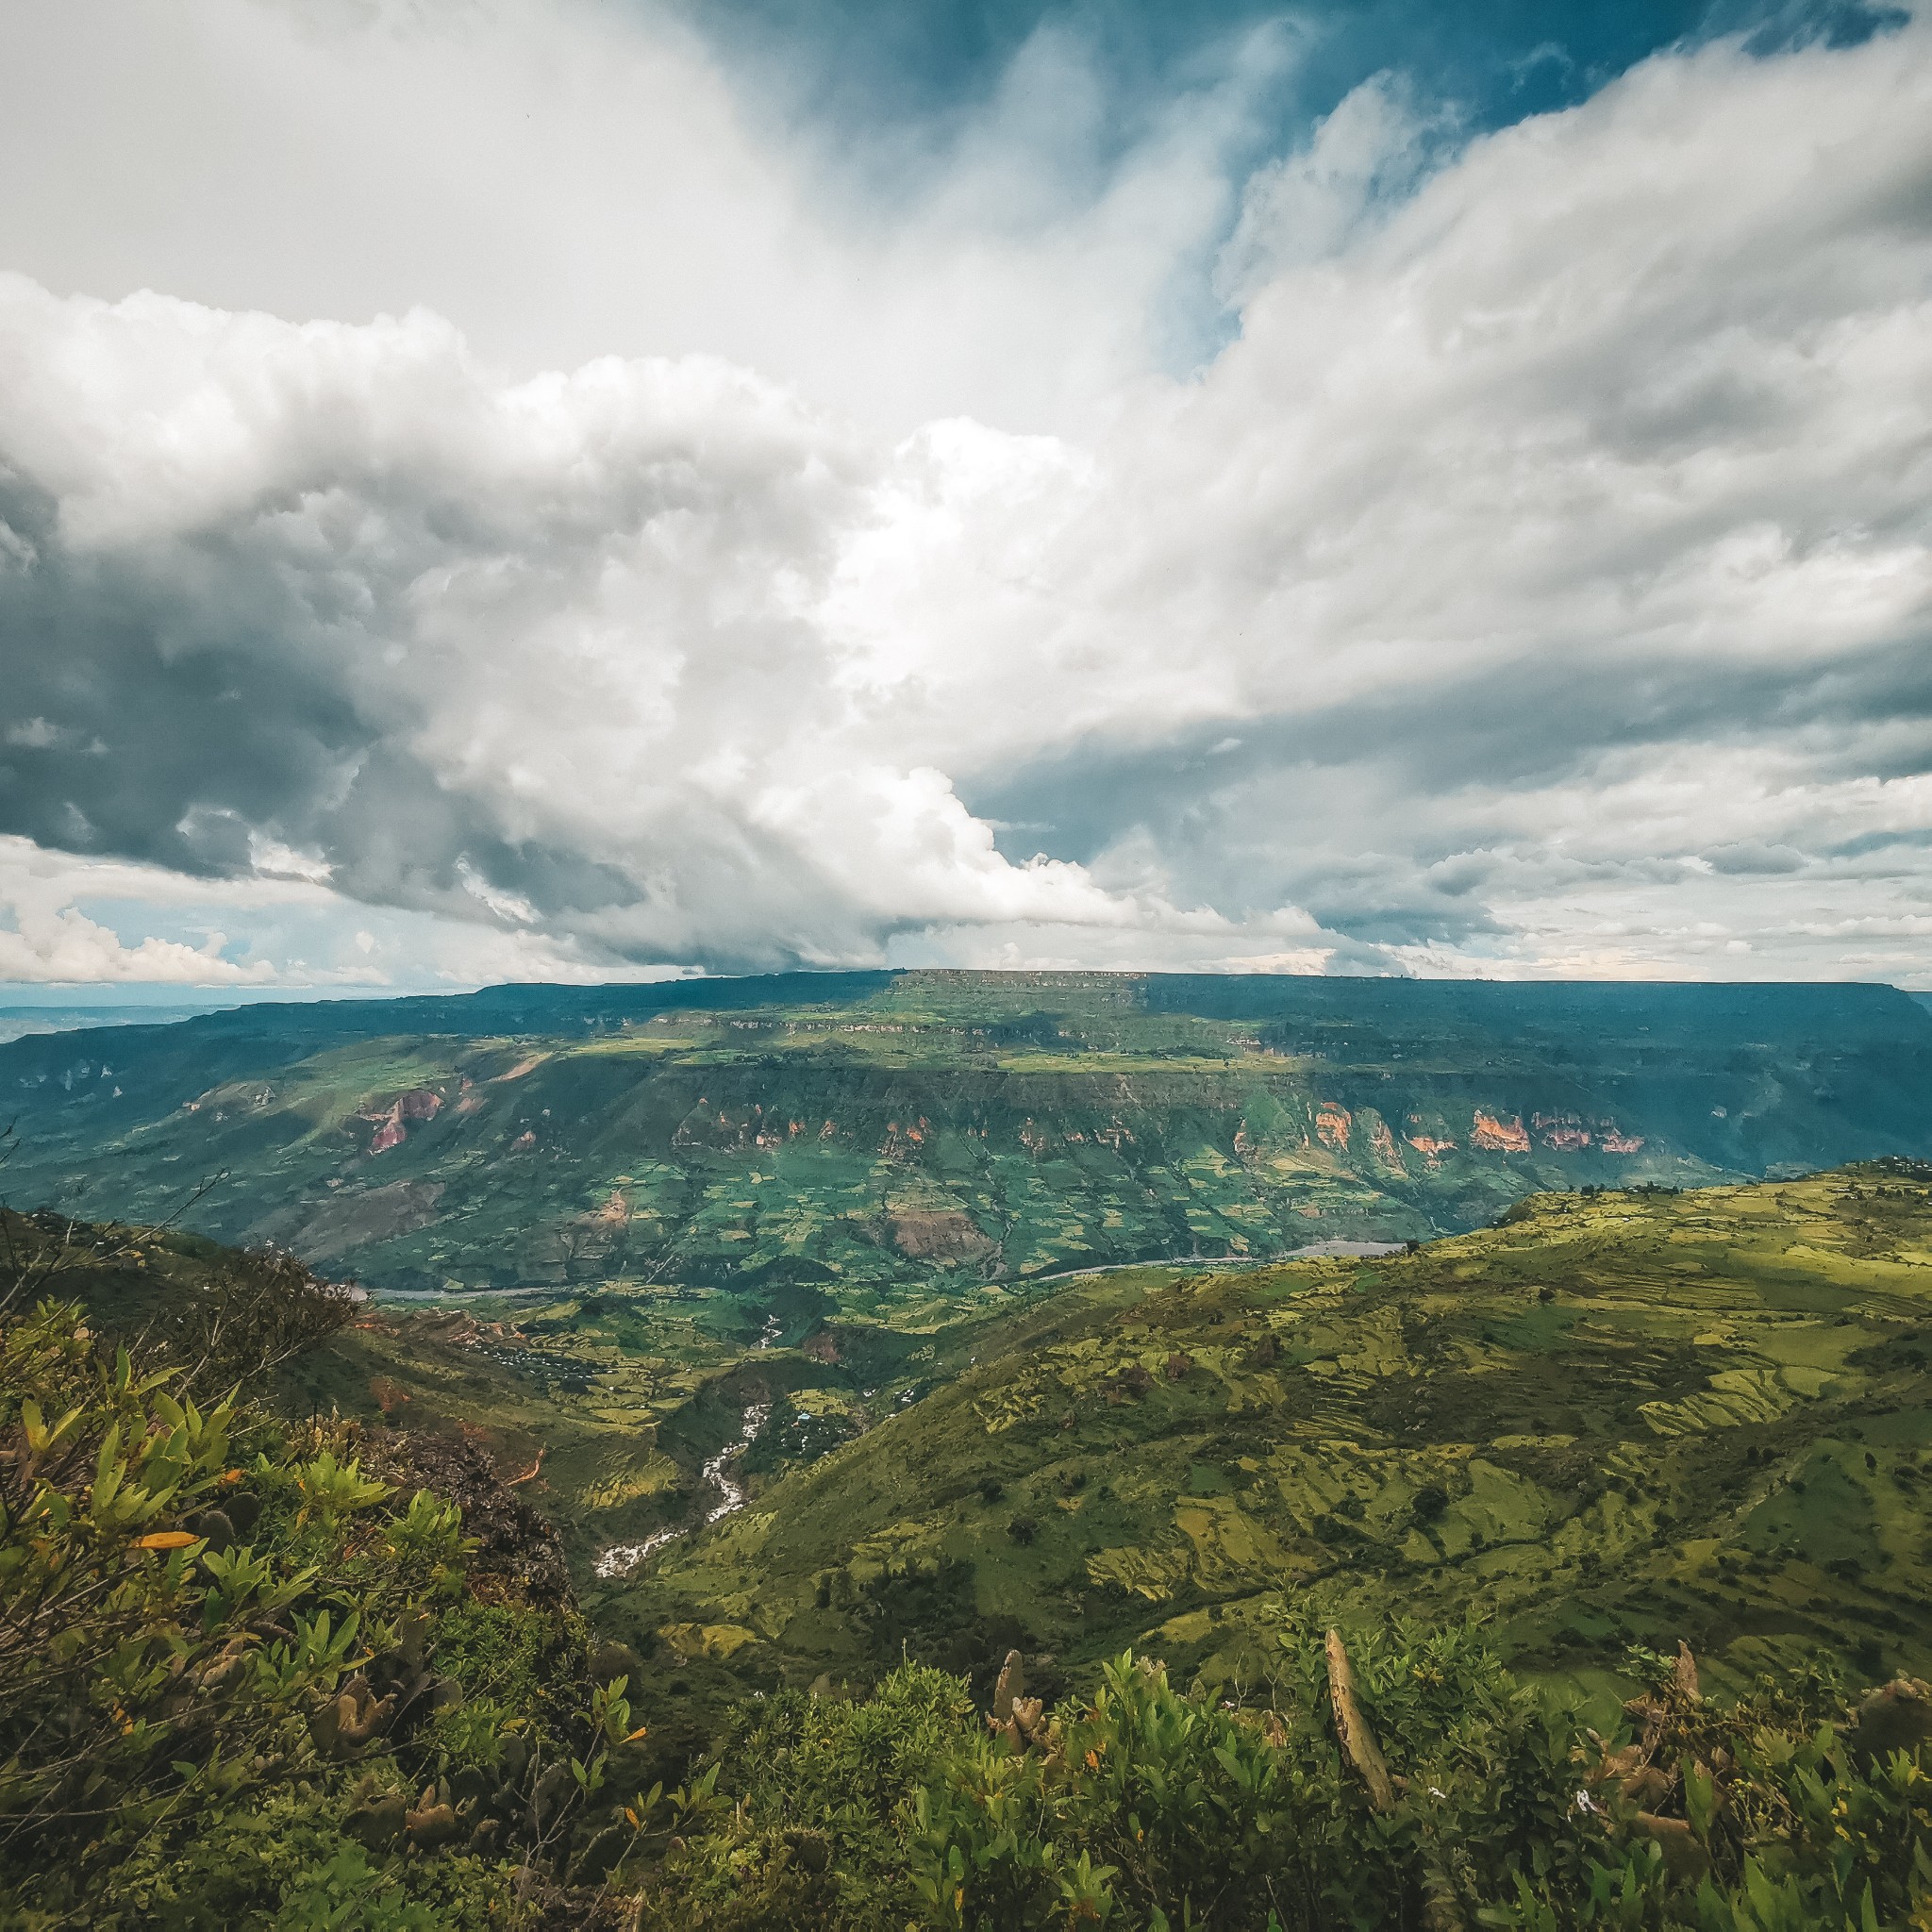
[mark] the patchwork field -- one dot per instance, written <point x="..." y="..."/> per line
<point x="1618" y="1418"/>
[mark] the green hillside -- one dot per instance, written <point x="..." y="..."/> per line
<point x="260" y="1670"/>
<point x="1617" y="1417"/>
<point x="310" y="1660"/>
<point x="1621" y="1418"/>
<point x="890" y="1146"/>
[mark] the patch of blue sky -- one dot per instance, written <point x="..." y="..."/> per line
<point x="889" y="94"/>
<point x="877" y="71"/>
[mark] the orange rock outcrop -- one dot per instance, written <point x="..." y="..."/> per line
<point x="1499" y="1136"/>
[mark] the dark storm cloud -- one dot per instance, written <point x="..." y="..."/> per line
<point x="157" y="718"/>
<point x="1390" y="817"/>
<point x="1432" y="738"/>
<point x="175" y="710"/>
<point x="338" y="649"/>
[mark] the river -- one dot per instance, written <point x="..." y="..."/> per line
<point x="721" y="1472"/>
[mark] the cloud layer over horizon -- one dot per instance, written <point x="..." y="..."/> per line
<point x="1531" y="577"/>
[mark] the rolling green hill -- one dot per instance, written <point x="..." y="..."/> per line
<point x="1615" y="1418"/>
<point x="611" y="1230"/>
<point x="895" y="1145"/>
<point x="1614" y="1422"/>
<point x="1618" y="1418"/>
<point x="275" y="1667"/>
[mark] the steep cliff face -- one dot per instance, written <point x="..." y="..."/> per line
<point x="933" y="1131"/>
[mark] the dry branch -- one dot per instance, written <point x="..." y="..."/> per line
<point x="1357" y="1742"/>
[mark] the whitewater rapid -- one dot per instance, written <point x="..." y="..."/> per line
<point x="721" y="1472"/>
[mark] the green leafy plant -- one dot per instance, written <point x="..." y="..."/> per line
<point x="331" y="1489"/>
<point x="197" y="1728"/>
<point x="1144" y="1805"/>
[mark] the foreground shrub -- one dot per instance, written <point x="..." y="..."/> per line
<point x="235" y="1673"/>
<point x="1148" y="1808"/>
<point x="814" y="1831"/>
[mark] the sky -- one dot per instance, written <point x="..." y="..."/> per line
<point x="582" y="489"/>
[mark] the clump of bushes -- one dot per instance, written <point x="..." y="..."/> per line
<point x="243" y="1682"/>
<point x="1143" y="1807"/>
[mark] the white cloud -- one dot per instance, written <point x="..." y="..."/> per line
<point x="67" y="919"/>
<point x="1545" y="537"/>
<point x="1367" y="153"/>
<point x="570" y="179"/>
<point x="67" y="947"/>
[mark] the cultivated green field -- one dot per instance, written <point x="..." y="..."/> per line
<point x="1625" y="1418"/>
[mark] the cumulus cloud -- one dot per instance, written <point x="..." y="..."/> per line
<point x="1571" y="519"/>
<point x="70" y="920"/>
<point x="543" y="651"/>
<point x="1537" y="582"/>
<point x="572" y="178"/>
<point x="68" y="948"/>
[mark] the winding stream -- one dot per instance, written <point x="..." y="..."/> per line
<point x="721" y="1472"/>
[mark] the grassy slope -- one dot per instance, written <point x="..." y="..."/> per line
<point x="606" y="1406"/>
<point x="1639" y="1416"/>
<point x="1616" y="1419"/>
<point x="1704" y="1415"/>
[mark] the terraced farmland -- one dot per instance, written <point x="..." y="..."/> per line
<point x="1618" y="1418"/>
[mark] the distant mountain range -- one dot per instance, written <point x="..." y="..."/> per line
<point x="875" y="1141"/>
<point x="17" y="1022"/>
